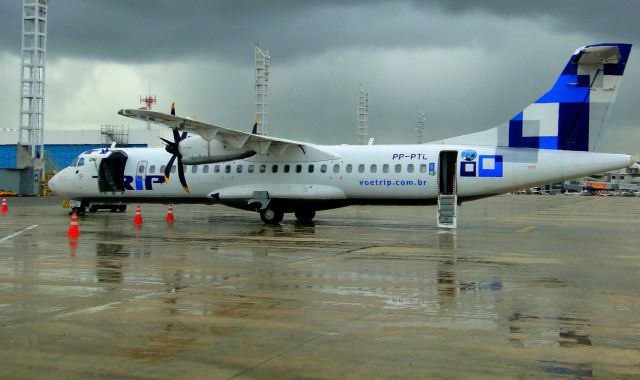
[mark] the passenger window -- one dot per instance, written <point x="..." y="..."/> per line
<point x="423" y="168"/>
<point x="410" y="168"/>
<point x="349" y="168"/>
<point x="205" y="169"/>
<point x="174" y="168"/>
<point x="398" y="168"/>
<point x="361" y="168"/>
<point x="239" y="169"/>
<point x="263" y="168"/>
<point x="216" y="169"/>
<point x="373" y="168"/>
<point x="311" y="167"/>
<point x="227" y="168"/>
<point x="336" y="168"/>
<point x="250" y="168"/>
<point x="385" y="168"/>
<point x="323" y="168"/>
<point x="152" y="169"/>
<point x="286" y="168"/>
<point x="298" y="168"/>
<point x="81" y="162"/>
<point x="194" y="169"/>
<point x="274" y="169"/>
<point x="141" y="169"/>
<point x="162" y="169"/>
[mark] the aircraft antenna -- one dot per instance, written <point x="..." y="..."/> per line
<point x="363" y="121"/>
<point x="32" y="84"/>
<point x="261" y="80"/>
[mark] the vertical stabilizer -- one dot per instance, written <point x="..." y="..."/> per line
<point x="571" y="114"/>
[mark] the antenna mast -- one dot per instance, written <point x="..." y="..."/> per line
<point x="363" y="121"/>
<point x="149" y="100"/>
<point x="32" y="84"/>
<point x="262" y="78"/>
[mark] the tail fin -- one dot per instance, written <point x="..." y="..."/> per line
<point x="571" y="114"/>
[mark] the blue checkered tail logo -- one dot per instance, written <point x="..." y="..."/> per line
<point x="570" y="116"/>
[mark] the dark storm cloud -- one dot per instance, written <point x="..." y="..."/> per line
<point x="151" y="30"/>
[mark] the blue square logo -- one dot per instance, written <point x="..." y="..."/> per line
<point x="490" y="166"/>
<point x="467" y="168"/>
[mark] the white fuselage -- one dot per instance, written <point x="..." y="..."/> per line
<point x="374" y="174"/>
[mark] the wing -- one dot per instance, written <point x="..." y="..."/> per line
<point x="230" y="137"/>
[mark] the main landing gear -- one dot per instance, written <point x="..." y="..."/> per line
<point x="271" y="216"/>
<point x="305" y="216"/>
<point x="274" y="216"/>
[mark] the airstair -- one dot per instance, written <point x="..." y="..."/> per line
<point x="447" y="194"/>
<point x="447" y="210"/>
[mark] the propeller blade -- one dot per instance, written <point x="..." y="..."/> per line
<point x="167" y="170"/>
<point x="167" y="142"/>
<point x="176" y="135"/>
<point x="183" y="181"/>
<point x="255" y="126"/>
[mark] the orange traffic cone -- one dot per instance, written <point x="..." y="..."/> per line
<point x="73" y="226"/>
<point x="137" y="220"/>
<point x="4" y="205"/>
<point x="170" y="213"/>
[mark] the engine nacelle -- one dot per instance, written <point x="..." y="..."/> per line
<point x="196" y="150"/>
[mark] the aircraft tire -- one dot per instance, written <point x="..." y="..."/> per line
<point x="122" y="208"/>
<point x="271" y="216"/>
<point x="305" y="216"/>
<point x="93" y="208"/>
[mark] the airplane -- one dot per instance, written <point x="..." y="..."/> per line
<point x="551" y="140"/>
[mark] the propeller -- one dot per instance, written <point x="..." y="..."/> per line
<point x="172" y="147"/>
<point x="255" y="126"/>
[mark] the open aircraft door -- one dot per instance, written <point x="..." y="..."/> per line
<point x="111" y="172"/>
<point x="447" y="192"/>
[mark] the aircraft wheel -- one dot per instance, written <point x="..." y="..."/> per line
<point x="305" y="216"/>
<point x="122" y="208"/>
<point x="78" y="210"/>
<point x="271" y="216"/>
<point x="93" y="208"/>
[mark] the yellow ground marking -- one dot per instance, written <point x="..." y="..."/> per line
<point x="527" y="229"/>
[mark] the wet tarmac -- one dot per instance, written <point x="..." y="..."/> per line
<point x="527" y="287"/>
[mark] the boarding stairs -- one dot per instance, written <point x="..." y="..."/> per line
<point x="447" y="210"/>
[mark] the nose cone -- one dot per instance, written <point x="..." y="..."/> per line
<point x="53" y="182"/>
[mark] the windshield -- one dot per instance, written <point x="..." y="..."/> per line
<point x="79" y="161"/>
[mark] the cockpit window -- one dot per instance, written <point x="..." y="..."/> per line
<point x="81" y="162"/>
<point x="75" y="162"/>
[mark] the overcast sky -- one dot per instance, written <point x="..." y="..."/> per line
<point x="469" y="65"/>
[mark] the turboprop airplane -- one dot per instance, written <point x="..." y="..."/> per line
<point x="551" y="140"/>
